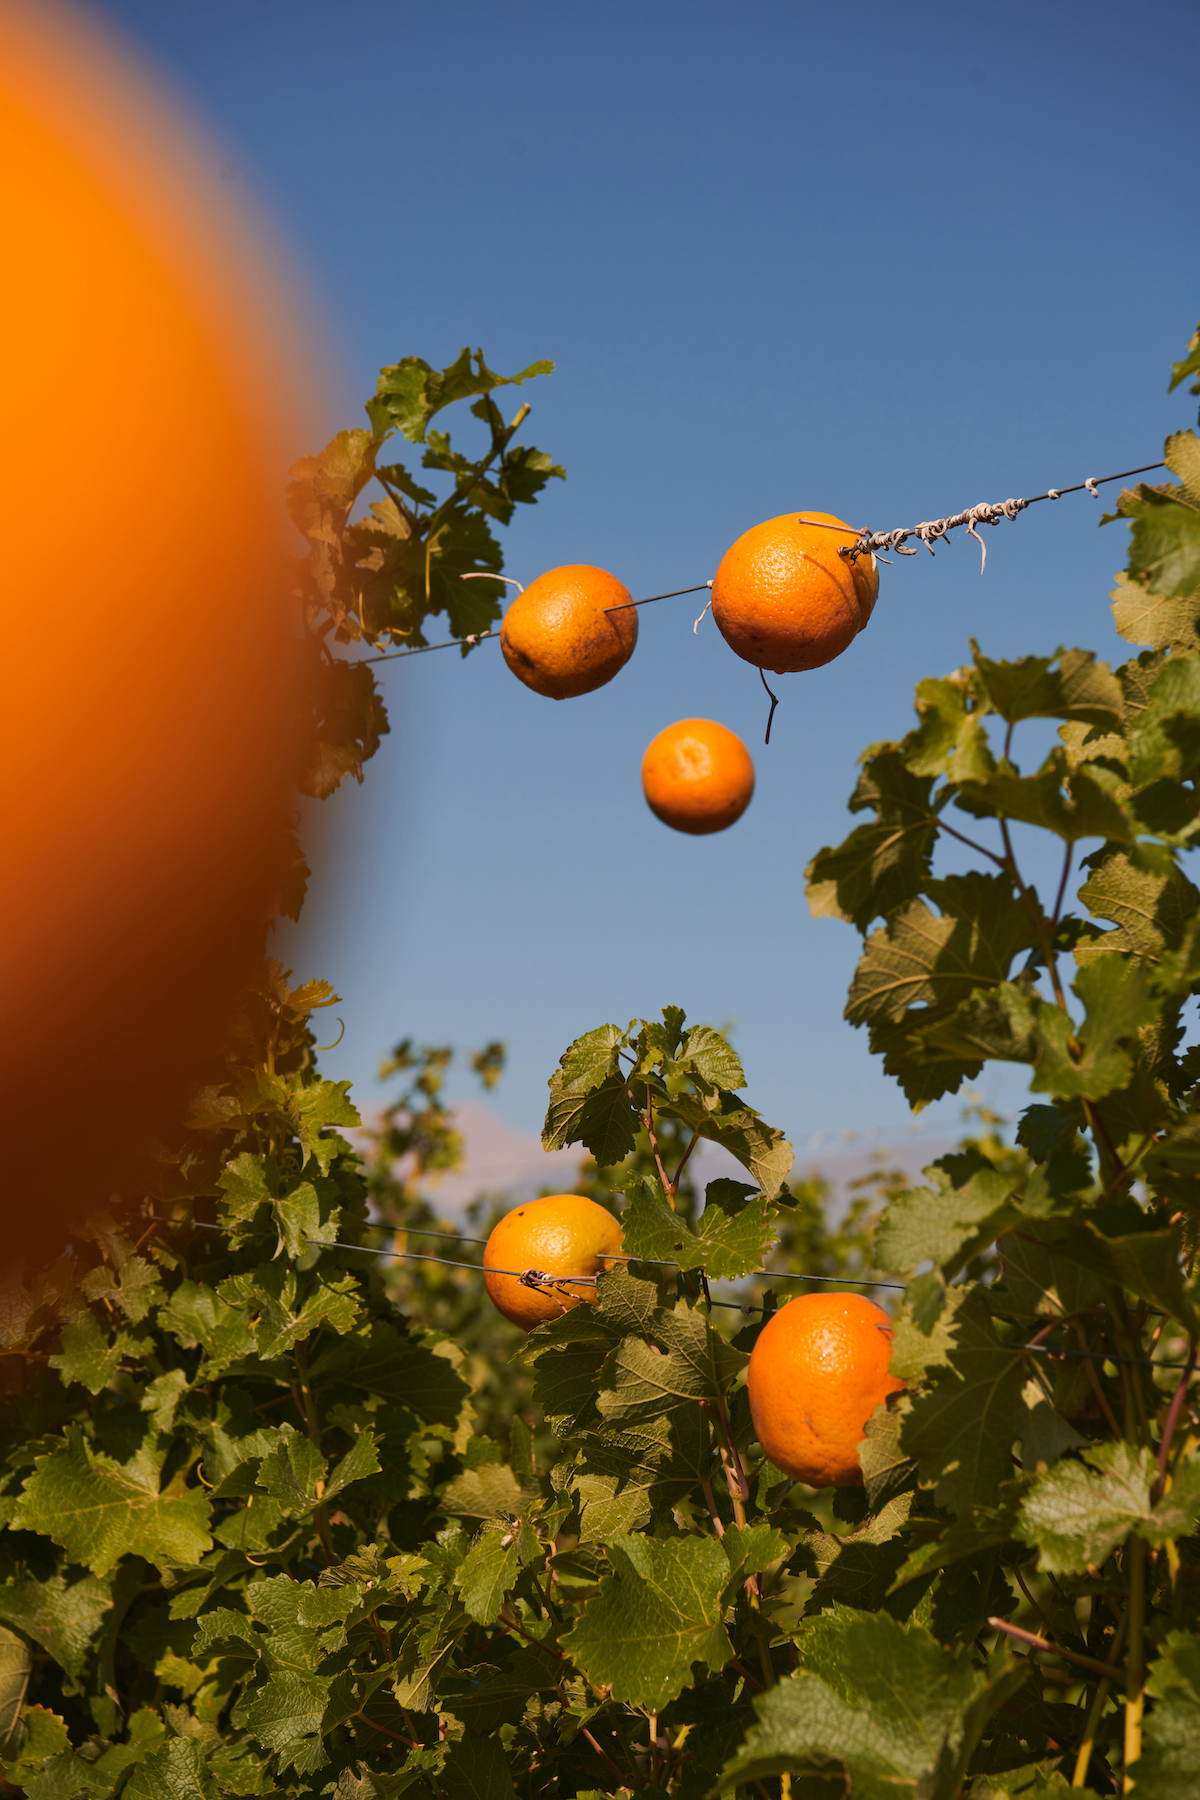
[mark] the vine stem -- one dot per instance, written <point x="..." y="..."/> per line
<point x="1135" y="1679"/>
<point x="1099" y="1701"/>
<point x="1041" y="1643"/>
<point x="604" y="1756"/>
<point x="1174" y="1413"/>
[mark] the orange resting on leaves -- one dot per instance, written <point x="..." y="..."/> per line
<point x="557" y="638"/>
<point x="698" y="776"/>
<point x="785" y="600"/>
<point x="562" y="1235"/>
<point x="817" y="1373"/>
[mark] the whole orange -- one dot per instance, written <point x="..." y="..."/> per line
<point x="557" y="637"/>
<point x="817" y="1373"/>
<point x="784" y="599"/>
<point x="564" y="1235"/>
<point x="697" y="776"/>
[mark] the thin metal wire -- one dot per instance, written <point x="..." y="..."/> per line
<point x="528" y="1275"/>
<point x="934" y="530"/>
<point x="626" y="604"/>
<point x="476" y="637"/>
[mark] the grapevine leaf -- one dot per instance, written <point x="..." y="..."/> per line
<point x="656" y="1614"/>
<point x="759" y="1147"/>
<point x="1073" y="803"/>
<point x="1150" y="907"/>
<point x="1079" y="1512"/>
<point x="62" y="1617"/>
<point x="483" y="1580"/>
<point x="732" y="1237"/>
<point x="921" y="959"/>
<point x="881" y="1701"/>
<point x="477" y="1769"/>
<point x="99" y="1510"/>
<point x="1169" y="1766"/>
<point x="1079" y="688"/>
<point x="705" y="1053"/>
<point x="1115" y="990"/>
<point x="880" y="867"/>
<point x="1164" y="545"/>
<point x="1158" y="620"/>
<point x="946" y="1223"/>
<point x="410" y="392"/>
<point x="961" y="1427"/>
<point x="385" y="1362"/>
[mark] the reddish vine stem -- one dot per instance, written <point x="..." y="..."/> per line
<point x="1174" y="1413"/>
<point x="1041" y="1643"/>
<point x="1105" y="1408"/>
<point x="604" y="1756"/>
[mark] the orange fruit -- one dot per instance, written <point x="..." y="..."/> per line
<point x="817" y="1373"/>
<point x="557" y="637"/>
<point x="150" y="685"/>
<point x="564" y="1235"/>
<point x="697" y="776"/>
<point x="784" y="599"/>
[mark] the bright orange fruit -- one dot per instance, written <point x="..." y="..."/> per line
<point x="558" y="639"/>
<point x="817" y="1373"/>
<point x="564" y="1235"/>
<point x="784" y="599"/>
<point x="697" y="776"/>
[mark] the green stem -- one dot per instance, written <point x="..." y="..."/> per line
<point x="1135" y="1678"/>
<point x="1099" y="1702"/>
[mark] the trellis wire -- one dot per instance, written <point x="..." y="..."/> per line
<point x="930" y="532"/>
<point x="536" y="1279"/>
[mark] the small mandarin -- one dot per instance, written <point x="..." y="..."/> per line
<point x="558" y="639"/>
<point x="697" y="776"/>
<point x="817" y="1373"/>
<point x="565" y="1235"/>
<point x="785" y="600"/>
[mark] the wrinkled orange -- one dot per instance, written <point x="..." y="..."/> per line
<point x="785" y="600"/>
<point x="697" y="776"/>
<point x="564" y="1235"/>
<point x="817" y="1373"/>
<point x="557" y="637"/>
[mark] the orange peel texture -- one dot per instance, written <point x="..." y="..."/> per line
<point x="697" y="776"/>
<point x="564" y="1235"/>
<point x="784" y="599"/>
<point x="557" y="637"/>
<point x="817" y="1372"/>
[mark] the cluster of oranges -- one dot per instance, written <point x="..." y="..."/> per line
<point x="817" y="1372"/>
<point x="786" y="596"/>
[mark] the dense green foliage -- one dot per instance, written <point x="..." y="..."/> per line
<point x="283" y="1519"/>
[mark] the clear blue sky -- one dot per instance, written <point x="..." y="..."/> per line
<point x="883" y="261"/>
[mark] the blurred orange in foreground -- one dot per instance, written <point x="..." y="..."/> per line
<point x="147" y="718"/>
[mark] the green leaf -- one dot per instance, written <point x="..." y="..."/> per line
<point x="1145" y="618"/>
<point x="15" y="1664"/>
<point x="1146" y="1263"/>
<point x="961" y="1426"/>
<point x="323" y="488"/>
<point x="948" y="1222"/>
<point x="1150" y="907"/>
<point x="100" y="1511"/>
<point x="732" y="1237"/>
<point x="881" y="1702"/>
<point x="657" y="1614"/>
<point x="1169" y="1767"/>
<point x="951" y="739"/>
<point x="1033" y="687"/>
<point x="477" y="1769"/>
<point x="1116" y="993"/>
<point x="384" y="1362"/>
<point x="177" y="1771"/>
<point x="1164" y="545"/>
<point x="880" y="867"/>
<point x="409" y="393"/>
<point x="491" y="1491"/>
<point x="86" y="1356"/>
<point x="243" y="1182"/>
<point x="759" y="1147"/>
<point x="919" y="959"/>
<point x="1081" y="802"/>
<point x="1189" y="366"/>
<point x="1079" y="1512"/>
<point x="489" y="1571"/>
<point x="705" y="1053"/>
<point x="588" y="1099"/>
<point x="44" y="1737"/>
<point x="61" y="1617"/>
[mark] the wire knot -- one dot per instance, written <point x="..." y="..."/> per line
<point x="1090" y="485"/>
<point x="534" y="1278"/>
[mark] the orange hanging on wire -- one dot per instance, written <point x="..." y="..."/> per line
<point x="817" y="1373"/>
<point x="697" y="776"/>
<point x="566" y="1236"/>
<point x="558" y="639"/>
<point x="785" y="600"/>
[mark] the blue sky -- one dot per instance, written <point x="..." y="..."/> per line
<point x="881" y="261"/>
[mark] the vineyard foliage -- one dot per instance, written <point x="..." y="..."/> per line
<point x="283" y="1516"/>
